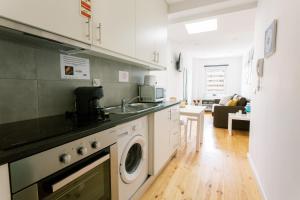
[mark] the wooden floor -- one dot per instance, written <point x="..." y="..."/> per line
<point x="220" y="171"/>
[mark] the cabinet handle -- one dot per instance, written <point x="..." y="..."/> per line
<point x="89" y="31"/>
<point x="99" y="27"/>
<point x="58" y="185"/>
<point x="157" y="57"/>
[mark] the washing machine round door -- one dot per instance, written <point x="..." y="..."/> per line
<point x="133" y="159"/>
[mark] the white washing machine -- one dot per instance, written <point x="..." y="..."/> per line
<point x="132" y="156"/>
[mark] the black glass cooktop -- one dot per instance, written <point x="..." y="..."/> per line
<point x="25" y="132"/>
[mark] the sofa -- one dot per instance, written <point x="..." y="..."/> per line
<point x="220" y="114"/>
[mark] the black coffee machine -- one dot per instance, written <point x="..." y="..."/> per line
<point x="88" y="103"/>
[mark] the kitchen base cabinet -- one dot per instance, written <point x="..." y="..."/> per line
<point x="166" y="136"/>
<point x="174" y="140"/>
<point x="4" y="183"/>
<point x="161" y="139"/>
<point x="175" y="129"/>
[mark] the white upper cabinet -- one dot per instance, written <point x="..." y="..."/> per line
<point x="131" y="30"/>
<point x="151" y="31"/>
<point x="114" y="25"/>
<point x="161" y="21"/>
<point x="56" y="16"/>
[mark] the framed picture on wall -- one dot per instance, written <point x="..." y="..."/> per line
<point x="270" y="39"/>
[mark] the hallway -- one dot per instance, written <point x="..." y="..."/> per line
<point x="219" y="171"/>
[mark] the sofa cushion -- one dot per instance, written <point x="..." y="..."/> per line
<point x="221" y="117"/>
<point x="224" y="100"/>
<point x="232" y="102"/>
<point x="242" y="102"/>
<point x="236" y="97"/>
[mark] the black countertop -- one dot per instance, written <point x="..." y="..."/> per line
<point x="49" y="132"/>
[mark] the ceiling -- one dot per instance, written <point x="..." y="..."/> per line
<point x="202" y="1"/>
<point x="174" y="1"/>
<point x="187" y="10"/>
<point x="234" y="35"/>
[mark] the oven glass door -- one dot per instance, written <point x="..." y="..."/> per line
<point x="160" y="93"/>
<point x="89" y="183"/>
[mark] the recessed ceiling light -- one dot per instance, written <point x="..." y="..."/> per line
<point x="203" y="26"/>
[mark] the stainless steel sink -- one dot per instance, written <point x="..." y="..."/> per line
<point x="142" y="106"/>
<point x="132" y="108"/>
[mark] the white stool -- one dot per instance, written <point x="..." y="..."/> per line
<point x="191" y="120"/>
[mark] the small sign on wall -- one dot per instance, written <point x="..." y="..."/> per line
<point x="123" y="76"/>
<point x="72" y="67"/>
<point x="85" y="8"/>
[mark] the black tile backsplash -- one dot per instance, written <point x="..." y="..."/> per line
<point x="17" y="61"/>
<point x="18" y="100"/>
<point x="31" y="87"/>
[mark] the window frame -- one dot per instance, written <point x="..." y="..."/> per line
<point x="215" y="68"/>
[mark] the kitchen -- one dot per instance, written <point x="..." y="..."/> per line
<point x="71" y="73"/>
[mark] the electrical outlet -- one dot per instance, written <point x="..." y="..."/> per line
<point x="123" y="76"/>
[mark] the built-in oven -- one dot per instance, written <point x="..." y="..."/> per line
<point x="84" y="169"/>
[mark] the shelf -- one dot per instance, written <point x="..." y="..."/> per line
<point x="208" y="103"/>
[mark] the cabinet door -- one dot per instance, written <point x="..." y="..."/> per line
<point x="175" y="116"/>
<point x="146" y="33"/>
<point x="114" y="25"/>
<point x="161" y="22"/>
<point x="151" y="31"/>
<point x="161" y="139"/>
<point x="56" y="16"/>
<point x="174" y="141"/>
<point x="175" y="129"/>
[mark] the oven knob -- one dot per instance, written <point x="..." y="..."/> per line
<point x="65" y="158"/>
<point x="82" y="151"/>
<point x="95" y="145"/>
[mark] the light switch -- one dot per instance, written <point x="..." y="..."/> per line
<point x="123" y="76"/>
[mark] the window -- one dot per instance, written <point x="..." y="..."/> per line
<point x="215" y="79"/>
<point x="202" y="26"/>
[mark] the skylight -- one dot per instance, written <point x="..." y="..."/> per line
<point x="203" y="26"/>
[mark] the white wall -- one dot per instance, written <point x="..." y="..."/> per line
<point x="233" y="75"/>
<point x="275" y="133"/>
<point x="171" y="79"/>
<point x="246" y="81"/>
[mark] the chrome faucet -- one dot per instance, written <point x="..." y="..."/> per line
<point x="124" y="103"/>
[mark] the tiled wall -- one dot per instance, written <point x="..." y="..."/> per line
<point x="31" y="87"/>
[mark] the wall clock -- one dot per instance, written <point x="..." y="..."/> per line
<point x="270" y="39"/>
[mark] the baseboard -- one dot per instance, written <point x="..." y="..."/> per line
<point x="261" y="190"/>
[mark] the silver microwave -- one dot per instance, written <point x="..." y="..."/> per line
<point x="149" y="93"/>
